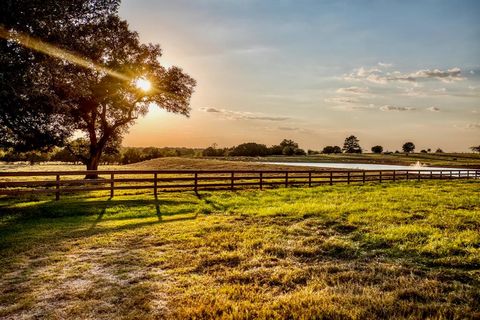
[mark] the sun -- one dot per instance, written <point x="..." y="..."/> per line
<point x="143" y="84"/>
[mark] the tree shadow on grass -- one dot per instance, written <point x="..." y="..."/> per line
<point x="84" y="207"/>
<point x="57" y="221"/>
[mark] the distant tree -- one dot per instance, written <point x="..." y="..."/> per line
<point x="424" y="151"/>
<point x="429" y="150"/>
<point x="299" y="152"/>
<point x="30" y="156"/>
<point x="214" y="152"/>
<point x="275" y="150"/>
<point x="408" y="147"/>
<point x="288" y="151"/>
<point x="209" y="152"/>
<point x="152" y="153"/>
<point x="475" y="148"/>
<point x="439" y="150"/>
<point x="311" y="152"/>
<point x="131" y="155"/>
<point x="351" y="145"/>
<point x="327" y="149"/>
<point x="331" y="149"/>
<point x="63" y="155"/>
<point x="288" y="143"/>
<point x="377" y="149"/>
<point x="337" y="149"/>
<point x="250" y="149"/>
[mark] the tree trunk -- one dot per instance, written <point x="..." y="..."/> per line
<point x="92" y="164"/>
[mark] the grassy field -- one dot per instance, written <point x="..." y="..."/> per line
<point x="168" y="163"/>
<point x="454" y="160"/>
<point x="396" y="250"/>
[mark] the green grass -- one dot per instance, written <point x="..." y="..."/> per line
<point x="396" y="250"/>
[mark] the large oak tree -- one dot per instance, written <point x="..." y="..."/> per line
<point x="52" y="97"/>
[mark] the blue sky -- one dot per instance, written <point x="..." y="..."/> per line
<point x="317" y="71"/>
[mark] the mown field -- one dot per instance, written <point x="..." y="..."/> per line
<point x="167" y="163"/>
<point x="454" y="160"/>
<point x="393" y="250"/>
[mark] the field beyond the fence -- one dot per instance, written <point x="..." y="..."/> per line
<point x="392" y="250"/>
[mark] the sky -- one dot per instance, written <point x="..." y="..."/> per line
<point x="316" y="71"/>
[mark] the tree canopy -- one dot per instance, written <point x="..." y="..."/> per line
<point x="351" y="145"/>
<point x="377" y="149"/>
<point x="408" y="147"/>
<point x="86" y="83"/>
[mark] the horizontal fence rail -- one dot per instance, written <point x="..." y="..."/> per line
<point x="62" y="182"/>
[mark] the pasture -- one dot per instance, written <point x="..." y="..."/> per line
<point x="454" y="160"/>
<point x="393" y="250"/>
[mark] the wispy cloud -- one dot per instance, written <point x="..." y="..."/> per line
<point x="473" y="126"/>
<point x="433" y="109"/>
<point x="354" y="107"/>
<point x="385" y="65"/>
<point x="380" y="76"/>
<point x="341" y="100"/>
<point x="396" y="108"/>
<point x="288" y="128"/>
<point x="242" y="115"/>
<point x="354" y="90"/>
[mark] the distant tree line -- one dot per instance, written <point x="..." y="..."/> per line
<point x="252" y="149"/>
<point x="290" y="148"/>
<point x="122" y="155"/>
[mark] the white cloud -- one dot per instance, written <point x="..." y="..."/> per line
<point x="378" y="76"/>
<point x="354" y="90"/>
<point x="433" y="109"/>
<point x="353" y="107"/>
<point x="341" y="100"/>
<point x="395" y="108"/>
<point x="385" y="65"/>
<point x="449" y="75"/>
<point x="242" y="115"/>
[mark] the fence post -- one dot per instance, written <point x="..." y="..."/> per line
<point x="450" y="174"/>
<point x="363" y="177"/>
<point x="112" y="177"/>
<point x="261" y="180"/>
<point x="441" y="174"/>
<point x="418" y="178"/>
<point x="348" y="177"/>
<point x="309" y="179"/>
<point x="468" y="174"/>
<point x="286" y="179"/>
<point x="394" y="176"/>
<point x="431" y="175"/>
<point x="232" y="180"/>
<point x="380" y="176"/>
<point x="331" y="177"/>
<point x="196" y="182"/>
<point x="57" y="188"/>
<point x="407" y="175"/>
<point x="155" y="184"/>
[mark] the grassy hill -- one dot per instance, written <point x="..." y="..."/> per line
<point x="396" y="250"/>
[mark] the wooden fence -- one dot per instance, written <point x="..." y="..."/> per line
<point x="61" y="182"/>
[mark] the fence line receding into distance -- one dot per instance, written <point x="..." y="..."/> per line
<point x="60" y="182"/>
